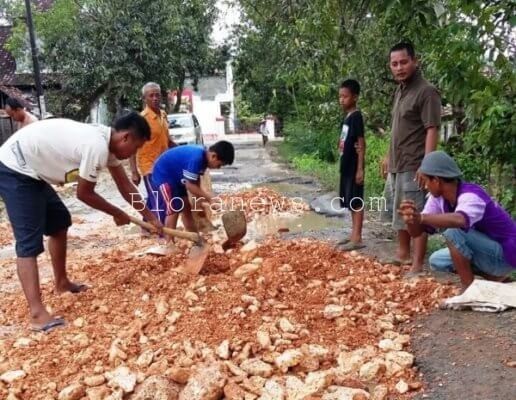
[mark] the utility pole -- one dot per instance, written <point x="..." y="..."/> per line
<point x="35" y="61"/>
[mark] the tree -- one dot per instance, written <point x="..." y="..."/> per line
<point x="293" y="53"/>
<point x="111" y="47"/>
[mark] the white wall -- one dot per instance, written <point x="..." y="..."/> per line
<point x="208" y="111"/>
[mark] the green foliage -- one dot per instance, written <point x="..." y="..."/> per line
<point x="309" y="140"/>
<point x="101" y="47"/>
<point x="247" y="118"/>
<point x="293" y="54"/>
<point x="376" y="148"/>
<point x="296" y="149"/>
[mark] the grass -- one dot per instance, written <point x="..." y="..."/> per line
<point x="327" y="173"/>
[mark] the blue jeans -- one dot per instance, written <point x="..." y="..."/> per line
<point x="485" y="254"/>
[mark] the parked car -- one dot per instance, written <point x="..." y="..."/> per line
<point x="184" y="129"/>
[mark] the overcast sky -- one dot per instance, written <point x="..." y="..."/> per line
<point x="228" y="16"/>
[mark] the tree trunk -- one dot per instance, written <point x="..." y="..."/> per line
<point x="459" y="120"/>
<point x="179" y="95"/>
<point x="164" y="96"/>
<point x="180" y="88"/>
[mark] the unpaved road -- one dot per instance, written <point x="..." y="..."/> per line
<point x="460" y="354"/>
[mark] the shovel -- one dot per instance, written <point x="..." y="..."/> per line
<point x="235" y="226"/>
<point x="198" y="253"/>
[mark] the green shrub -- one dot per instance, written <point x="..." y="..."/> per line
<point x="315" y="152"/>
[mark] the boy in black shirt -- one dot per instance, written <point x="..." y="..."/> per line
<point x="352" y="154"/>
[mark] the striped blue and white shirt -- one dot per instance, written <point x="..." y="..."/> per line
<point x="180" y="164"/>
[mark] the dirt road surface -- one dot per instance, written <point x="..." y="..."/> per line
<point x="140" y="314"/>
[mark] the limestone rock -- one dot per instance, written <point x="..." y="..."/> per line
<point x="121" y="378"/>
<point x="223" y="350"/>
<point x="319" y="380"/>
<point x="234" y="392"/>
<point x="289" y="358"/>
<point x="332" y="311"/>
<point x="286" y="326"/>
<point x="173" y="317"/>
<point x="95" y="380"/>
<point x="179" y="374"/>
<point x="344" y="393"/>
<point x="255" y="366"/>
<point x="254" y="384"/>
<point x="207" y="383"/>
<point x="246" y="269"/>
<point x="116" y="353"/>
<point x="11" y="376"/>
<point x="263" y="338"/>
<point x="79" y="322"/>
<point x="316" y="350"/>
<point x="22" y="342"/>
<point x="251" y="246"/>
<point x="73" y="392"/>
<point x="116" y="395"/>
<point x="380" y="392"/>
<point x="191" y="297"/>
<point x="402" y="358"/>
<point x="295" y="388"/>
<point x="272" y="390"/>
<point x="393" y="369"/>
<point x="402" y="387"/>
<point x="371" y="370"/>
<point x="389" y="344"/>
<point x="162" y="307"/>
<point x="97" y="393"/>
<point x="145" y="359"/>
<point x="158" y="368"/>
<point x="235" y="369"/>
<point x="156" y="388"/>
<point x="349" y="362"/>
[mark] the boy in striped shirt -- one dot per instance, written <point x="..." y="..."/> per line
<point x="176" y="172"/>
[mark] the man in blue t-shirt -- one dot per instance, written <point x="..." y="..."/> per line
<point x="176" y="172"/>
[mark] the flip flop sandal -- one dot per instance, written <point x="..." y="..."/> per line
<point x="414" y="274"/>
<point x="395" y="261"/>
<point x="350" y="246"/>
<point x="50" y="326"/>
<point x="343" y="241"/>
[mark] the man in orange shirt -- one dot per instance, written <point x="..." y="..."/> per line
<point x="141" y="164"/>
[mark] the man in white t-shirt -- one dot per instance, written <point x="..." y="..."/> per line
<point x="58" y="151"/>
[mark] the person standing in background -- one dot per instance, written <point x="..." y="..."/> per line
<point x="17" y="112"/>
<point x="143" y="161"/>
<point x="352" y="159"/>
<point x="416" y="117"/>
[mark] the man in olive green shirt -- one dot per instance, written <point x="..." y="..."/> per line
<point x="416" y="117"/>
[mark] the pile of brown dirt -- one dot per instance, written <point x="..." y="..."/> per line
<point x="262" y="201"/>
<point x="257" y="311"/>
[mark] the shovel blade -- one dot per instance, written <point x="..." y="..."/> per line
<point x="195" y="260"/>
<point x="235" y="225"/>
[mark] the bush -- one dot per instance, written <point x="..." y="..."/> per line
<point x="305" y="139"/>
<point x="309" y="152"/>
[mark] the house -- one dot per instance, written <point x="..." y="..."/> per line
<point x="16" y="78"/>
<point x="212" y="100"/>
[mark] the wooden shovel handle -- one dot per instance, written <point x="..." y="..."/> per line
<point x="194" y="237"/>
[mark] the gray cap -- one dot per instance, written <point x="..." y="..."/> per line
<point x="440" y="164"/>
